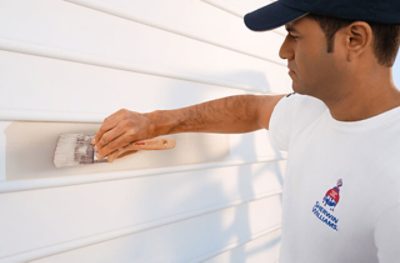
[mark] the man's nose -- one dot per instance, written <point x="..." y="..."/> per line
<point x="286" y="51"/>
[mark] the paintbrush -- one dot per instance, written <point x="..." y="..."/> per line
<point x="76" y="148"/>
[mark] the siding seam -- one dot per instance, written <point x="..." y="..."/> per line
<point x="222" y="8"/>
<point x="120" y="14"/>
<point x="50" y="116"/>
<point x="210" y="2"/>
<point x="35" y="184"/>
<point x="72" y="56"/>
<point x="237" y="244"/>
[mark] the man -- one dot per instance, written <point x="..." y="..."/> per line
<point x="341" y="199"/>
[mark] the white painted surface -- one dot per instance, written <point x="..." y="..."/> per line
<point x="215" y="198"/>
<point x="396" y="72"/>
<point x="3" y="146"/>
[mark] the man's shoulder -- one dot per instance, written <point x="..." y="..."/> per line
<point x="291" y="115"/>
<point x="302" y="109"/>
<point x="303" y="103"/>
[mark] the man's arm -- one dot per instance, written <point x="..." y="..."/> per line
<point x="235" y="114"/>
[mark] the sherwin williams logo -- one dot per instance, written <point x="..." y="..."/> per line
<point x="332" y="197"/>
<point x="330" y="201"/>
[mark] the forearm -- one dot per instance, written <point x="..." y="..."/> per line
<point x="235" y="114"/>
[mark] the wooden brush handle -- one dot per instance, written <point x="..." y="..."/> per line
<point x="153" y="144"/>
<point x="149" y="144"/>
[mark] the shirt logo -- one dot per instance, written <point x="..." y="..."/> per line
<point x="325" y="211"/>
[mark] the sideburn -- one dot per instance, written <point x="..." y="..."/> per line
<point x="330" y="43"/>
<point x="330" y="26"/>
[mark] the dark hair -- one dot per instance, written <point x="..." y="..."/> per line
<point x="387" y="37"/>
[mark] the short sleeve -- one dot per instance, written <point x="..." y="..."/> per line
<point x="387" y="236"/>
<point x="290" y="115"/>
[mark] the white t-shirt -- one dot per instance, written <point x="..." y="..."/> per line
<point x="341" y="201"/>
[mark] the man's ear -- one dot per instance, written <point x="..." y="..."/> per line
<point x="358" y="37"/>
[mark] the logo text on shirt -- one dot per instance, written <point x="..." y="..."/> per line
<point x="329" y="202"/>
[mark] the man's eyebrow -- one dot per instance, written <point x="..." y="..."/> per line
<point x="290" y="28"/>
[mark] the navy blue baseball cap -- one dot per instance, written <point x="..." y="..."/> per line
<point x="284" y="11"/>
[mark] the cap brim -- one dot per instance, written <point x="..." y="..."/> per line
<point x="272" y="16"/>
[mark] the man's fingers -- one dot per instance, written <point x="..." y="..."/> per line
<point x="100" y="133"/>
<point x="109" y="123"/>
<point x="109" y="136"/>
<point x="119" y="141"/>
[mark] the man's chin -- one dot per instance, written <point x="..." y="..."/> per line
<point x="298" y="89"/>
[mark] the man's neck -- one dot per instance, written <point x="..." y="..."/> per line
<point x="364" y="98"/>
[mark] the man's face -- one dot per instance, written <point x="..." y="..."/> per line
<point x="313" y="70"/>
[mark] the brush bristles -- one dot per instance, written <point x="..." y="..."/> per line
<point x="73" y="149"/>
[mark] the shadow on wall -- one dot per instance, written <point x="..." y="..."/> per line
<point x="238" y="228"/>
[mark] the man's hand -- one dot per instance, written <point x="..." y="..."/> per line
<point x="119" y="130"/>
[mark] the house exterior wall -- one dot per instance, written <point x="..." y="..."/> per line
<point x="396" y="72"/>
<point x="66" y="65"/>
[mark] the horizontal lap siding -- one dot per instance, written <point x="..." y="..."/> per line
<point x="92" y="91"/>
<point x="57" y="215"/>
<point x="262" y="248"/>
<point x="177" y="242"/>
<point x="80" y="60"/>
<point x="67" y="31"/>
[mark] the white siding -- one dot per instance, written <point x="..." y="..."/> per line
<point x="65" y="65"/>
